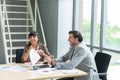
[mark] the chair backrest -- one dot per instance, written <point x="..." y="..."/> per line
<point x="19" y="53"/>
<point x="102" y="61"/>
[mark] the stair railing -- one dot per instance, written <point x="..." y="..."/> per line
<point x="8" y="27"/>
<point x="2" y="16"/>
<point x="40" y="21"/>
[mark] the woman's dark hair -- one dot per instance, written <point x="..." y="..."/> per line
<point x="34" y="33"/>
<point x="77" y="34"/>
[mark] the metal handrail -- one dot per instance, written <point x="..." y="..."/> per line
<point x="8" y="27"/>
<point x="2" y="30"/>
<point x="41" y="25"/>
<point x="4" y="15"/>
<point x="31" y="13"/>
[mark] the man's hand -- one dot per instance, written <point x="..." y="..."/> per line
<point x="53" y="63"/>
<point x="50" y="59"/>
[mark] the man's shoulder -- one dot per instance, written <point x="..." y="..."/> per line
<point x="83" y="47"/>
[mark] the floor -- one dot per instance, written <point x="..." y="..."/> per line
<point x="114" y="72"/>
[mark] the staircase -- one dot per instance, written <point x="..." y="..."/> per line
<point x="17" y="21"/>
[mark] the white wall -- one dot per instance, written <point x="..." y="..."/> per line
<point x="57" y="21"/>
<point x="64" y="25"/>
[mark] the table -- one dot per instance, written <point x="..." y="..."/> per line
<point x="27" y="75"/>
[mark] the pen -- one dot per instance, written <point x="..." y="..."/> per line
<point x="44" y="71"/>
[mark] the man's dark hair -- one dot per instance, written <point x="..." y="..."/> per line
<point x="77" y="34"/>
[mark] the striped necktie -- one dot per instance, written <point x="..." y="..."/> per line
<point x="72" y="53"/>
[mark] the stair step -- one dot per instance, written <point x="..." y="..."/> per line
<point x="17" y="33"/>
<point x="7" y="5"/>
<point x="17" y="19"/>
<point x="22" y="11"/>
<point x="14" y="48"/>
<point x="13" y="56"/>
<point x="17" y="12"/>
<point x="22" y="0"/>
<point x="18" y="40"/>
<point x="19" y="26"/>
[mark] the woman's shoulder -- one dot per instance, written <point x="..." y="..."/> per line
<point x="41" y="45"/>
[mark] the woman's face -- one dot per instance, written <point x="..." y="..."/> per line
<point x="33" y="40"/>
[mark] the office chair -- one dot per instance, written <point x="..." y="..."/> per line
<point x="102" y="62"/>
<point x="19" y="53"/>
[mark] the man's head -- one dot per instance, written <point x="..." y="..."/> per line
<point x="75" y="38"/>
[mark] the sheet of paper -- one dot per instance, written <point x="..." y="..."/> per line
<point x="72" y="71"/>
<point x="11" y="68"/>
<point x="44" y="71"/>
<point x="34" y="56"/>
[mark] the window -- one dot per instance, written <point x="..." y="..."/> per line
<point x="101" y="26"/>
<point x="113" y="25"/>
<point x="86" y="20"/>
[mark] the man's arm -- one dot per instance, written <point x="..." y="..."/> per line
<point x="76" y="59"/>
<point x="51" y="60"/>
<point x="65" y="57"/>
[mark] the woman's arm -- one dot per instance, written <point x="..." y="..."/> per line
<point x="25" y="56"/>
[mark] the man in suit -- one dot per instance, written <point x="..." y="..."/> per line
<point x="78" y="56"/>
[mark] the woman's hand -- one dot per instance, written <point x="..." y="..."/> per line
<point x="41" y="52"/>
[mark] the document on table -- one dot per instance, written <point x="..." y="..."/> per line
<point x="11" y="68"/>
<point x="72" y="71"/>
<point x="44" y="71"/>
<point x="34" y="56"/>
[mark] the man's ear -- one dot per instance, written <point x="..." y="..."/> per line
<point x="76" y="39"/>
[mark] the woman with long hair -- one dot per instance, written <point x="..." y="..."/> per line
<point x="35" y="44"/>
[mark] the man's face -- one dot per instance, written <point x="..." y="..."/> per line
<point x="72" y="40"/>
